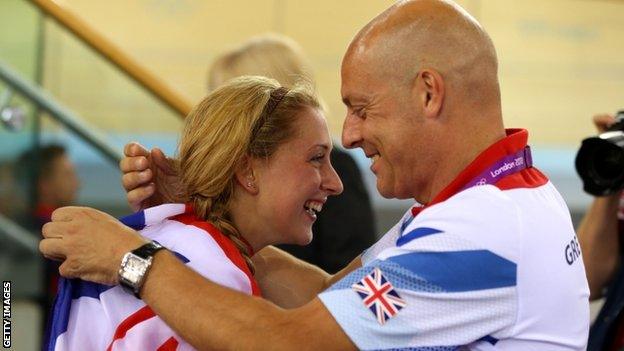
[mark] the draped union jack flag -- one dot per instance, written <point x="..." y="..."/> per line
<point x="379" y="296"/>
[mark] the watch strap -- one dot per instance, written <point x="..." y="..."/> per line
<point x="148" y="250"/>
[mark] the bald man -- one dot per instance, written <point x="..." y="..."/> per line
<point x="489" y="261"/>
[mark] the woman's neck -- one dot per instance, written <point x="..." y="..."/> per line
<point x="245" y="219"/>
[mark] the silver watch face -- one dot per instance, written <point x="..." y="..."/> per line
<point x="134" y="268"/>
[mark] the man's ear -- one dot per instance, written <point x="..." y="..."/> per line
<point x="245" y="175"/>
<point x="429" y="90"/>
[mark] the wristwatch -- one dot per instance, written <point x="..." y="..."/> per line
<point x="135" y="265"/>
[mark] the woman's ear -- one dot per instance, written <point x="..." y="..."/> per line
<point x="245" y="176"/>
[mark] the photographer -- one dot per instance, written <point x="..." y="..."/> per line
<point x="599" y="235"/>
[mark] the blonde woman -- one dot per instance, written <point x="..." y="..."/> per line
<point x="347" y="225"/>
<point x="254" y="163"/>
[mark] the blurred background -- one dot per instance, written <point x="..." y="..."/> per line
<point x="93" y="75"/>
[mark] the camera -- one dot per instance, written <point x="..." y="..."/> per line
<point x="600" y="160"/>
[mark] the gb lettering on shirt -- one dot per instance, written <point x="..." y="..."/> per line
<point x="572" y="251"/>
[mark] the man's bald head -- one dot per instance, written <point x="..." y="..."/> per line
<point x="430" y="34"/>
<point x="421" y="88"/>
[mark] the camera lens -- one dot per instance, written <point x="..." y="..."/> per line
<point x="600" y="163"/>
<point x="600" y="160"/>
<point x="608" y="162"/>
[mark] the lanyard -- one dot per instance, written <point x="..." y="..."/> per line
<point x="505" y="166"/>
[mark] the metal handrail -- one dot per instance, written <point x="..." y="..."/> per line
<point x="58" y="112"/>
<point x="116" y="56"/>
<point x="19" y="234"/>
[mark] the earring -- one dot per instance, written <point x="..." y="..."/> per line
<point x="250" y="183"/>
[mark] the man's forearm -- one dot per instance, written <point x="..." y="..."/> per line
<point x="212" y="317"/>
<point x="208" y="316"/>
<point x="599" y="239"/>
<point x="290" y="282"/>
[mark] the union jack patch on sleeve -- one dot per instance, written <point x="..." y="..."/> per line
<point x="379" y="296"/>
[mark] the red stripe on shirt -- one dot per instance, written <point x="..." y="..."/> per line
<point x="228" y="247"/>
<point x="515" y="140"/>
<point x="170" y="345"/>
<point x="137" y="317"/>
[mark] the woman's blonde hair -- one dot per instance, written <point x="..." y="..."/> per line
<point x="249" y="116"/>
<point x="270" y="55"/>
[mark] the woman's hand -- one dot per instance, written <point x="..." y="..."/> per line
<point x="90" y="243"/>
<point x="149" y="177"/>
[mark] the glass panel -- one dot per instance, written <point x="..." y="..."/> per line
<point x="19" y="37"/>
<point x="101" y="96"/>
<point x="97" y="91"/>
<point x="19" y="48"/>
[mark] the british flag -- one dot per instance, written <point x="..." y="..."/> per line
<point x="379" y="296"/>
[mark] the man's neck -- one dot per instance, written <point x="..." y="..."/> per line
<point x="448" y="171"/>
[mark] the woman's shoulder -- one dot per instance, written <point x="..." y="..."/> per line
<point x="203" y="247"/>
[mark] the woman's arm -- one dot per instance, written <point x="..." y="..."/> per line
<point x="290" y="282"/>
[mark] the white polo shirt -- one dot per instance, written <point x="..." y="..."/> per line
<point x="491" y="267"/>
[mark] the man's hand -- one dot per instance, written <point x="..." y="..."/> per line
<point x="603" y="122"/>
<point x="90" y="243"/>
<point x="149" y="177"/>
